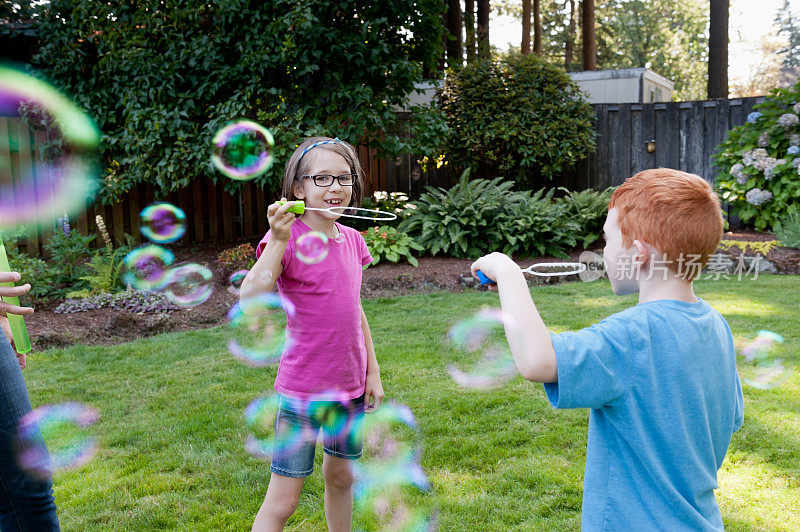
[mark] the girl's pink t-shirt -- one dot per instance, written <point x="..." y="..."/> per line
<point x="326" y="352"/>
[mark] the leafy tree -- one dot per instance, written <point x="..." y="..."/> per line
<point x="667" y="36"/>
<point x="161" y="77"/>
<point x="789" y="28"/>
<point x="519" y="117"/>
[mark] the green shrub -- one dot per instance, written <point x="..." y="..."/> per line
<point x="589" y="209"/>
<point x="68" y="252"/>
<point x="479" y="216"/>
<point x="789" y="232"/>
<point x="394" y="202"/>
<point x="759" y="161"/>
<point x="519" y="117"/>
<point x="386" y="242"/>
<point x="162" y="78"/>
<point x="238" y="258"/>
<point x="105" y="270"/>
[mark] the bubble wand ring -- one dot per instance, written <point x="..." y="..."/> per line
<point x="577" y="267"/>
<point x="361" y="213"/>
<point x="18" y="331"/>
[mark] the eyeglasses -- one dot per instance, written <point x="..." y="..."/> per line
<point x="326" y="180"/>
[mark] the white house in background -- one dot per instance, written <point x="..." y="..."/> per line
<point x="625" y="85"/>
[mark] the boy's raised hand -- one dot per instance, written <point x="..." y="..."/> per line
<point x="280" y="220"/>
<point x="493" y="266"/>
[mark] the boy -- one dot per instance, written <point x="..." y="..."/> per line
<point x="660" y="377"/>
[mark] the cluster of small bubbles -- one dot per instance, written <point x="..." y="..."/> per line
<point x="268" y="436"/>
<point x="312" y="247"/>
<point x="66" y="176"/>
<point x="163" y="223"/>
<point x="235" y="281"/>
<point x="150" y="267"/>
<point x="65" y="430"/>
<point x="258" y="329"/>
<point x="762" y="367"/>
<point x="189" y="285"/>
<point x="242" y="150"/>
<point x="481" y="346"/>
<point x="389" y="475"/>
<point x="147" y="267"/>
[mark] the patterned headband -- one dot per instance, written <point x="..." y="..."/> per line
<point x="320" y="143"/>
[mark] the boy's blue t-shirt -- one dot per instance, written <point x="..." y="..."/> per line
<point x="661" y="381"/>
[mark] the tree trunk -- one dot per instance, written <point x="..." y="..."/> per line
<point x="589" y="44"/>
<point x="484" y="49"/>
<point x="537" y="29"/>
<point x="525" y="48"/>
<point x="569" y="42"/>
<point x="469" y="26"/>
<point x="454" y="51"/>
<point x="718" y="49"/>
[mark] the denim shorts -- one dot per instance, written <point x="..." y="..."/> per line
<point x="341" y="423"/>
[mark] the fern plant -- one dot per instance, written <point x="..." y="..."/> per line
<point x="589" y="209"/>
<point x="479" y="216"/>
<point x="106" y="267"/>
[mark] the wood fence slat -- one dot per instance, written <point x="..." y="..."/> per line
<point x="198" y="209"/>
<point x="213" y="215"/>
<point x="261" y="213"/>
<point x="134" y="211"/>
<point x="710" y="135"/>
<point x="227" y="214"/>
<point x="601" y="174"/>
<point x="247" y="210"/>
<point x="118" y="223"/>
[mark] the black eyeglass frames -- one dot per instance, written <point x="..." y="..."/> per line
<point x="326" y="180"/>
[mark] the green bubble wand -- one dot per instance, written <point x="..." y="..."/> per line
<point x="18" y="331"/>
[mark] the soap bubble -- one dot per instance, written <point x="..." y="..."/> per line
<point x="392" y="508"/>
<point x="163" y="223"/>
<point x="65" y="430"/>
<point x="762" y="367"/>
<point x="189" y="285"/>
<point x="312" y="247"/>
<point x="391" y="440"/>
<point x="62" y="177"/>
<point x="258" y="326"/>
<point x="485" y="360"/>
<point x="595" y="267"/>
<point x="242" y="150"/>
<point x="333" y="411"/>
<point x="267" y="435"/>
<point x="235" y="281"/>
<point x="147" y="267"/>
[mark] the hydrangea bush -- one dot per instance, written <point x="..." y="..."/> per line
<point x="759" y="162"/>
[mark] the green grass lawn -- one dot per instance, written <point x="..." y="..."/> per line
<point x="172" y="429"/>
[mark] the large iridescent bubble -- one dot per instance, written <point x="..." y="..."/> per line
<point x="61" y="177"/>
<point x="163" y="223"/>
<point x="483" y="356"/>
<point x="65" y="429"/>
<point x="258" y="330"/>
<point x="242" y="150"/>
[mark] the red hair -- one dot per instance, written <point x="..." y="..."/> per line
<point x="676" y="212"/>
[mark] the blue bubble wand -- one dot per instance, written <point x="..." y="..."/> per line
<point x="575" y="268"/>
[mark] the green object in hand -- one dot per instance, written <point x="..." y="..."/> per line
<point x="18" y="331"/>
<point x="298" y="208"/>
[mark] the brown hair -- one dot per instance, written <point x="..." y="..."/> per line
<point x="299" y="165"/>
<point x="675" y="211"/>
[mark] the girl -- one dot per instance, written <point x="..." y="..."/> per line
<point x="332" y="346"/>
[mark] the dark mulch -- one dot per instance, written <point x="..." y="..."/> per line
<point x="105" y="326"/>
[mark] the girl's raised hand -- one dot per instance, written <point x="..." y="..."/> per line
<point x="280" y="220"/>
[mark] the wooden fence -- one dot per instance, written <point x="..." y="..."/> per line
<point x="685" y="135"/>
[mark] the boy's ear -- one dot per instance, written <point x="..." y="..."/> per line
<point x="642" y="252"/>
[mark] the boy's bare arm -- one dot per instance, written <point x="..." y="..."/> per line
<point x="527" y="336"/>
